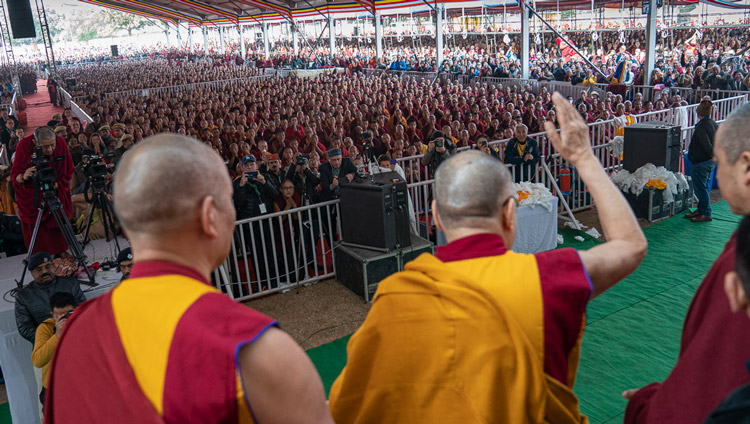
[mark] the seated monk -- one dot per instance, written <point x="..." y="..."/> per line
<point x="714" y="347"/>
<point x="165" y="346"/>
<point x="478" y="333"/>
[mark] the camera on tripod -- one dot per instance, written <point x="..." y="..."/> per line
<point x="45" y="174"/>
<point x="95" y="168"/>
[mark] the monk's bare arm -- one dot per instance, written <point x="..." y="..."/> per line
<point x="281" y="382"/>
<point x="626" y="246"/>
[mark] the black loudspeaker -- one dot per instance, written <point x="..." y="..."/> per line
<point x="115" y="52"/>
<point x="652" y="142"/>
<point x="361" y="270"/>
<point x="21" y="19"/>
<point x="375" y="212"/>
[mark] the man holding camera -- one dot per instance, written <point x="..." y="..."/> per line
<point x="253" y="193"/>
<point x="305" y="182"/>
<point x="32" y="302"/>
<point x="439" y="149"/>
<point x="338" y="168"/>
<point x="48" y="333"/>
<point x="37" y="156"/>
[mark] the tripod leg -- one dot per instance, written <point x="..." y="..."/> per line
<point x="31" y="245"/>
<point x="90" y="219"/>
<point x="108" y="216"/>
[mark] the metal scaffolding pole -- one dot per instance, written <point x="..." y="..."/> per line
<point x="10" y="58"/>
<point x="295" y="39"/>
<point x="379" y="35"/>
<point x="42" y="14"/>
<point x="242" y="42"/>
<point x="525" y="43"/>
<point x="266" y="44"/>
<point x="166" y="33"/>
<point x="221" y="40"/>
<point x="332" y="34"/>
<point x="439" y="12"/>
<point x="205" y="40"/>
<point x="650" y="61"/>
<point x="190" y="39"/>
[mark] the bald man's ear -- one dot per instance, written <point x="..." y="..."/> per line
<point x="435" y="216"/>
<point x="735" y="293"/>
<point x="508" y="216"/>
<point x="745" y="160"/>
<point x="209" y="216"/>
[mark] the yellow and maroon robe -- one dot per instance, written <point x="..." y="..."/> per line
<point x="160" y="348"/>
<point x="467" y="337"/>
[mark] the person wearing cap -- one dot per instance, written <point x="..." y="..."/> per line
<point x="33" y="300"/>
<point x="118" y="130"/>
<point x="700" y="154"/>
<point x="125" y="263"/>
<point x="126" y="142"/>
<point x="273" y="170"/>
<point x="106" y="136"/>
<point x="336" y="169"/>
<point x="253" y="193"/>
<point x="93" y="127"/>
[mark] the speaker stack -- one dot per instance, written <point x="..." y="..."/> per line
<point x="115" y="52"/>
<point x="376" y="239"/>
<point x="21" y="19"/>
<point x="654" y="142"/>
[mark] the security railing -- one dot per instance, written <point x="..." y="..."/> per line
<point x="67" y="101"/>
<point x="281" y="251"/>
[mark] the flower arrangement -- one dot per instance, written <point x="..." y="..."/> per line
<point x="657" y="184"/>
<point x="522" y="195"/>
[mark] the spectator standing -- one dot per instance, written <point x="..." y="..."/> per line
<point x="701" y="153"/>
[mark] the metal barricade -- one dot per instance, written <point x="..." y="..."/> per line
<point x="282" y="250"/>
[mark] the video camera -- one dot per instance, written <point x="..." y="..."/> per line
<point x="45" y="175"/>
<point x="95" y="167"/>
<point x="302" y="160"/>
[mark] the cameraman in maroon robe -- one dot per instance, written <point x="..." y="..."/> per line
<point x="28" y="193"/>
<point x="714" y="344"/>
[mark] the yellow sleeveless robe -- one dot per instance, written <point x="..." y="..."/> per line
<point x="438" y="347"/>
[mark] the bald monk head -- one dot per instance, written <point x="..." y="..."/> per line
<point x="173" y="193"/>
<point x="473" y="194"/>
<point x="174" y="198"/>
<point x="732" y="156"/>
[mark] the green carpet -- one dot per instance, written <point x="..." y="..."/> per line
<point x="633" y="332"/>
<point x="5" y="414"/>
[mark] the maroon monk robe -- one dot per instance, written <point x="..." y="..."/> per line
<point x="715" y="345"/>
<point x="50" y="238"/>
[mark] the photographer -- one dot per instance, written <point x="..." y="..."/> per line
<point x="483" y="145"/>
<point x="253" y="194"/>
<point x="305" y="181"/>
<point x="25" y="183"/>
<point x="48" y="334"/>
<point x="438" y="150"/>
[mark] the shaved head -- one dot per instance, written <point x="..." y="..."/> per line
<point x="471" y="188"/>
<point x="161" y="182"/>
<point x="732" y="136"/>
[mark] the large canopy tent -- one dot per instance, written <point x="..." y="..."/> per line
<point x="239" y="13"/>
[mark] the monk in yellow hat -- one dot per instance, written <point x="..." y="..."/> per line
<point x="478" y="333"/>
